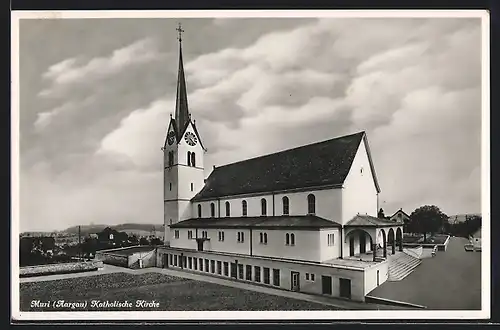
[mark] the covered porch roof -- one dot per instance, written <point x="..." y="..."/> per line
<point x="361" y="220"/>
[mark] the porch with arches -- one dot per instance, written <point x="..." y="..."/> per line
<point x="369" y="239"/>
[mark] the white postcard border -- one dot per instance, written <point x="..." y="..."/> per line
<point x="485" y="312"/>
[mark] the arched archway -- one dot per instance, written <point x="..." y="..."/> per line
<point x="391" y="239"/>
<point x="384" y="241"/>
<point x="359" y="242"/>
<point x="399" y="238"/>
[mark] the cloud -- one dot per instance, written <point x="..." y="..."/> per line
<point x="412" y="84"/>
<point x="139" y="136"/>
<point x="74" y="70"/>
<point x="45" y="118"/>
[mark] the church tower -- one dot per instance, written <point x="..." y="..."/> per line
<point x="183" y="154"/>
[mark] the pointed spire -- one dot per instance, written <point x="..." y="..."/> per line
<point x="181" y="104"/>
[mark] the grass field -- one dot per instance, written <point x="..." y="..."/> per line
<point x="172" y="294"/>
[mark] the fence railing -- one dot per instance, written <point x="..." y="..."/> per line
<point x="414" y="252"/>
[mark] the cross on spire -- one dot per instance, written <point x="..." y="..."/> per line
<point x="180" y="30"/>
<point x="181" y="104"/>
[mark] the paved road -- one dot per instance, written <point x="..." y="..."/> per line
<point x="107" y="269"/>
<point x="449" y="281"/>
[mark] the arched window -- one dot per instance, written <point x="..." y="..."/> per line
<point x="228" y="209"/>
<point x="292" y="239"/>
<point x="189" y="158"/>
<point x="193" y="159"/>
<point x="244" y="208"/>
<point x="265" y="238"/>
<point x="263" y="204"/>
<point x="199" y="210"/>
<point x="212" y="210"/>
<point x="261" y="238"/>
<point x="311" y="204"/>
<point x="286" y="206"/>
<point x="287" y="239"/>
<point x="170" y="158"/>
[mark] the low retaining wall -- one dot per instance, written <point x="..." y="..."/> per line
<point x="132" y="260"/>
<point x="112" y="259"/>
<point x="62" y="268"/>
<point x="414" y="252"/>
<point x="440" y="247"/>
<point x="148" y="259"/>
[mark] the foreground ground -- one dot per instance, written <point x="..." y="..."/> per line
<point x="450" y="280"/>
<point x="172" y="293"/>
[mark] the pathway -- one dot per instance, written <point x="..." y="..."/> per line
<point x="451" y="280"/>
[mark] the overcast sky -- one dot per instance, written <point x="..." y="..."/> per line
<point x="96" y="96"/>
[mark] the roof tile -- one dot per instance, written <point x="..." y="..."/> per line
<point x="302" y="221"/>
<point x="288" y="169"/>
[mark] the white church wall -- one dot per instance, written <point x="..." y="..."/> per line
<point x="230" y="243"/>
<point x="359" y="194"/>
<point x="183" y="242"/>
<point x="328" y="252"/>
<point x="306" y="245"/>
<point x="328" y="204"/>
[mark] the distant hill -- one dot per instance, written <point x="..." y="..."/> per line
<point x="137" y="228"/>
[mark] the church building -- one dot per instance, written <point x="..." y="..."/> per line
<point x="303" y="219"/>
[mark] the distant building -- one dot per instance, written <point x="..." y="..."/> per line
<point x="112" y="236"/>
<point x="401" y="217"/>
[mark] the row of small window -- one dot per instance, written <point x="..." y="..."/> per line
<point x="289" y="238"/>
<point x="239" y="271"/>
<point x="311" y="207"/>
<point x="204" y="234"/>
<point x="191" y="158"/>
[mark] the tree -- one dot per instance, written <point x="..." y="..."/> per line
<point x="472" y="224"/>
<point x="143" y="241"/>
<point x="427" y="219"/>
<point x="381" y="214"/>
<point x="90" y="246"/>
<point x="133" y="239"/>
<point x="156" y="241"/>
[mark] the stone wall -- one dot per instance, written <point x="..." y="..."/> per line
<point x="112" y="259"/>
<point x="61" y="268"/>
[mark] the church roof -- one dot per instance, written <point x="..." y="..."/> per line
<point x="288" y="221"/>
<point x="320" y="164"/>
<point x="362" y="220"/>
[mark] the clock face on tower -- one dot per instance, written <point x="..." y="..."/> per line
<point x="190" y="139"/>
<point x="171" y="137"/>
